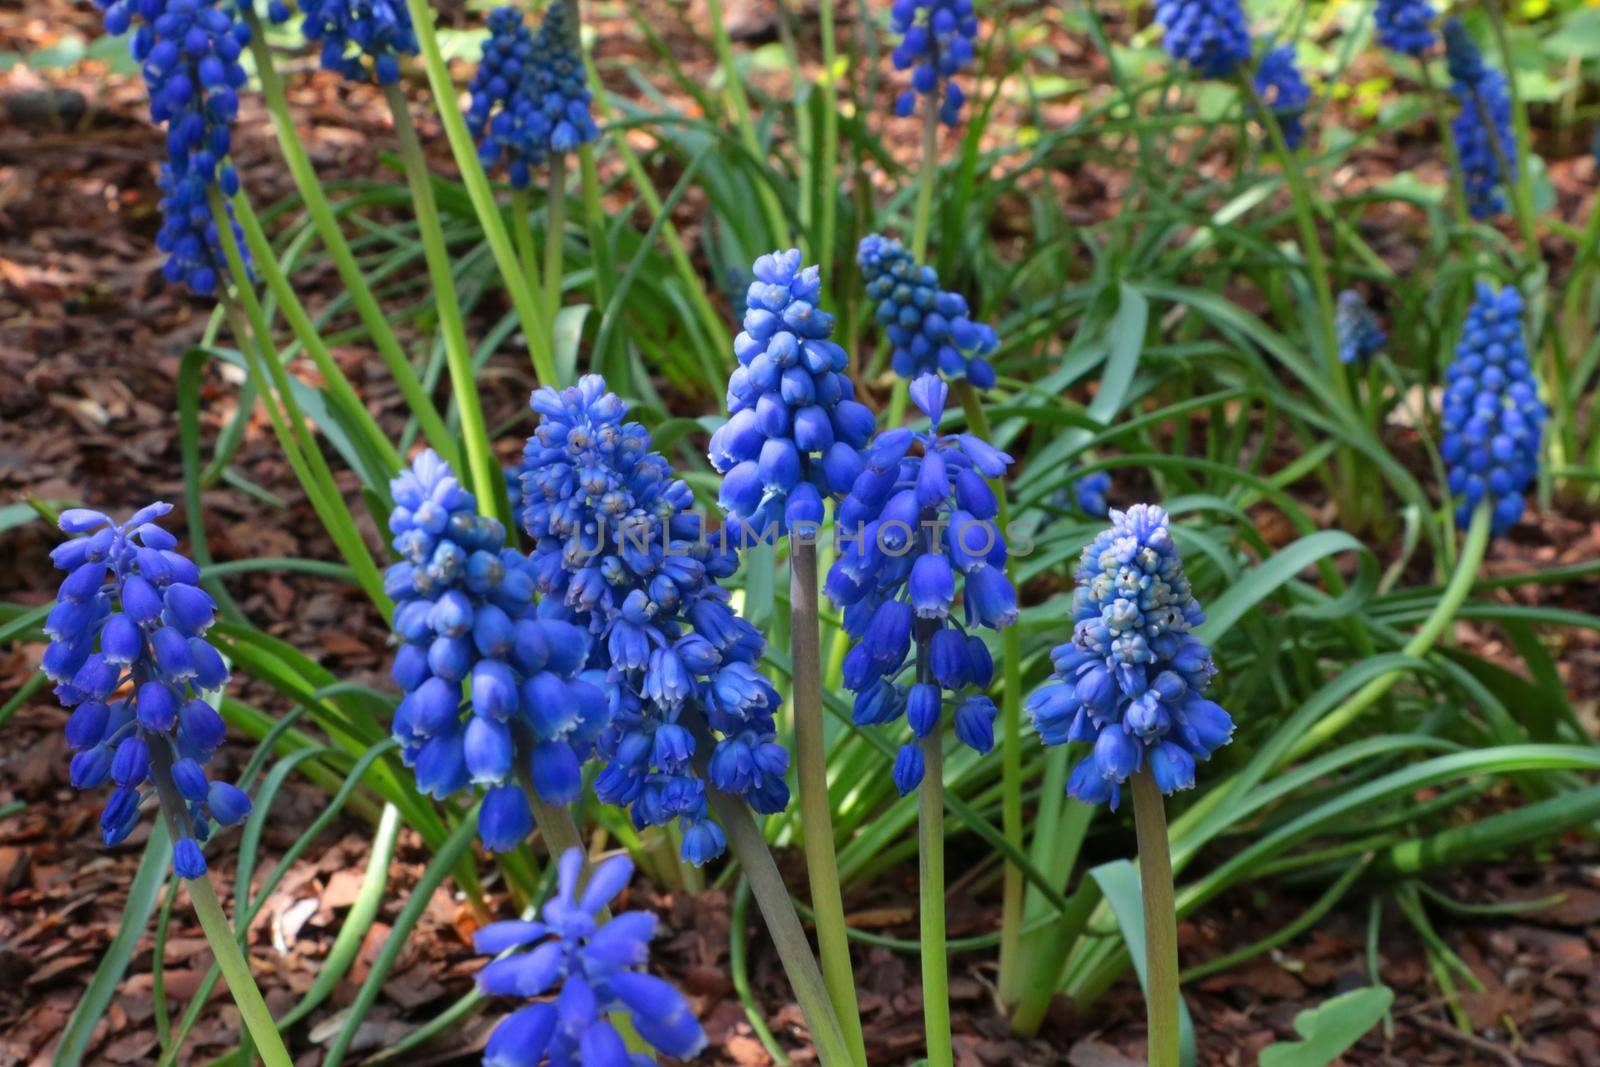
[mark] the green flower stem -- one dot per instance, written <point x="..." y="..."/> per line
<point x="340" y="390"/>
<point x="288" y="423"/>
<point x="922" y="219"/>
<point x="1432" y="628"/>
<point x="739" y="104"/>
<point x="487" y="479"/>
<point x="930" y="888"/>
<point x="555" y="235"/>
<point x="1160" y="920"/>
<point x="816" y="814"/>
<point x="219" y="935"/>
<point x="523" y="299"/>
<point x="749" y="847"/>
<point x="1011" y="733"/>
<point x="594" y="218"/>
<point x="344" y="260"/>
<point x="522" y="234"/>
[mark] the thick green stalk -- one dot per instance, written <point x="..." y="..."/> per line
<point x="922" y="219"/>
<point x="930" y="888"/>
<point x="594" y="220"/>
<point x="487" y="479"/>
<point x="344" y="260"/>
<point x="555" y="235"/>
<point x="343" y="394"/>
<point x="219" y="934"/>
<point x="1160" y="920"/>
<point x="526" y="304"/>
<point x="816" y="814"/>
<point x="1432" y="628"/>
<point x="522" y="234"/>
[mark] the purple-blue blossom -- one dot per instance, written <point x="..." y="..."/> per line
<point x="1281" y="88"/>
<point x="930" y="328"/>
<point x="919" y="536"/>
<point x="1210" y="36"/>
<point x="1131" y="683"/>
<point x="466" y="620"/>
<point x="1360" y="336"/>
<point x="936" y="43"/>
<point x="1405" y="26"/>
<point x="362" y="40"/>
<point x="1485" y="140"/>
<point x="129" y="656"/>
<point x="795" y="430"/>
<point x="584" y="969"/>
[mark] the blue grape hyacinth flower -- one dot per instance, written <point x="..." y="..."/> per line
<point x="795" y="430"/>
<point x="936" y="43"/>
<point x="619" y="551"/>
<point x="1284" y="91"/>
<point x="1132" y="680"/>
<point x="931" y="329"/>
<point x="1405" y="26"/>
<point x="188" y="52"/>
<point x="917" y="533"/>
<point x="362" y="40"/>
<point x="129" y="656"/>
<point x="1492" y="419"/>
<point x="1090" y="493"/>
<point x="1482" y="127"/>
<point x="529" y="96"/>
<point x="465" y="617"/>
<point x="1210" y="36"/>
<point x="1360" y="336"/>
<point x="594" y="968"/>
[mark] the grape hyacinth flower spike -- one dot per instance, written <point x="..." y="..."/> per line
<point x="1210" y="36"/>
<point x="1405" y="26"/>
<point x="465" y="616"/>
<point x="1360" y="336"/>
<point x="931" y="329"/>
<point x="918" y="528"/>
<point x="795" y="430"/>
<point x="1281" y="88"/>
<point x="1492" y="418"/>
<point x="595" y="967"/>
<point x="1132" y="680"/>
<point x="619" y="551"/>
<point x="1090" y="494"/>
<point x="188" y="51"/>
<point x="936" y="43"/>
<point x="1482" y="127"/>
<point x="362" y="40"/>
<point x="129" y="656"/>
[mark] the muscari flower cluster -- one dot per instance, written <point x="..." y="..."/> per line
<point x="1405" y="26"/>
<point x="935" y="44"/>
<point x="1090" y="492"/>
<point x="1360" y="336"/>
<point x="1211" y="36"/>
<point x="1131" y="682"/>
<point x="599" y="967"/>
<point x="529" y="97"/>
<point x="465" y="614"/>
<point x="1492" y="417"/>
<point x="1281" y="88"/>
<point x="362" y="40"/>
<point x="1482" y="127"/>
<point x="129" y="656"/>
<point x="795" y="430"/>
<point x="920" y="520"/>
<point x="619" y="551"/>
<point x="931" y="329"/>
<point x="188" y="51"/>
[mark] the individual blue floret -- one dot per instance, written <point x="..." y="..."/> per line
<point x="465" y="616"/>
<point x="1210" y="36"/>
<point x="936" y="43"/>
<point x="1484" y="137"/>
<point x="1491" y="419"/>
<point x="129" y="656"/>
<point x="795" y="430"/>
<point x="1279" y="85"/>
<point x="1405" y="26"/>
<point x="1360" y="336"/>
<point x="584" y="969"/>
<point x="918" y="535"/>
<point x="362" y="40"/>
<point x="619" y="550"/>
<point x="1131" y="681"/>
<point x="931" y="329"/>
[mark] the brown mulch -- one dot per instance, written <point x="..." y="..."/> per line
<point x="90" y="339"/>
